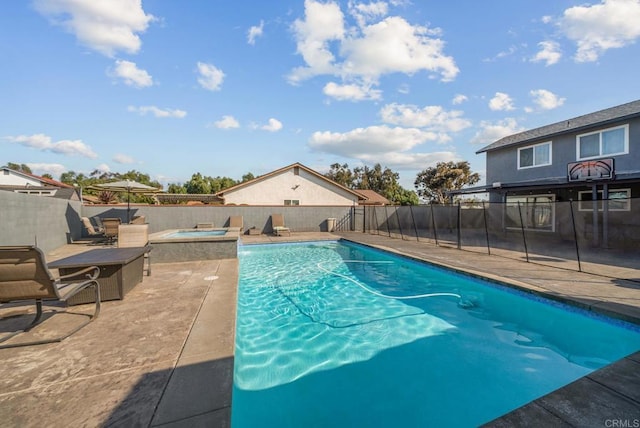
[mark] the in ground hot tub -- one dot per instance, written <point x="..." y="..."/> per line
<point x="181" y="245"/>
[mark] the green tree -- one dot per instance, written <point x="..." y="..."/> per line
<point x="247" y="177"/>
<point x="221" y="183"/>
<point x="381" y="180"/>
<point x="176" y="188"/>
<point x="433" y="183"/>
<point x="47" y="175"/>
<point x="19" y="167"/>
<point x="341" y="174"/>
<point x="198" y="184"/>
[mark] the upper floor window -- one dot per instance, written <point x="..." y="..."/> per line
<point x="289" y="202"/>
<point x="532" y="156"/>
<point x="608" y="142"/>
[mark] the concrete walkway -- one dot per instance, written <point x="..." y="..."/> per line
<point x="163" y="356"/>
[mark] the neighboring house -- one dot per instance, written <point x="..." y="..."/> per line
<point x="22" y="182"/>
<point x="292" y="185"/>
<point x="570" y="159"/>
<point x="187" y="198"/>
<point x="584" y="159"/>
<point x="373" y="198"/>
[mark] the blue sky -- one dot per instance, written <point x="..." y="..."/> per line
<point x="170" y="88"/>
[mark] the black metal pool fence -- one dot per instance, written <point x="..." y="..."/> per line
<point x="578" y="235"/>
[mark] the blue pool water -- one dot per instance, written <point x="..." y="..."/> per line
<point x="195" y="233"/>
<point x="337" y="334"/>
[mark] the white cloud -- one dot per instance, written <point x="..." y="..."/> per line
<point x="103" y="167"/>
<point x="254" y="32"/>
<point x="459" y="99"/>
<point x="55" y="169"/>
<point x="364" y="13"/>
<point x="374" y="140"/>
<point x="503" y="54"/>
<point x="157" y="112"/>
<point x="501" y="101"/>
<point x="106" y="26"/>
<point x="211" y="77"/>
<point x="413" y="161"/>
<point x="360" y="55"/>
<point x="227" y="122"/>
<point x="404" y="88"/>
<point x="131" y="74"/>
<point x="44" y="143"/>
<point x="123" y="159"/>
<point x="395" y="46"/>
<point x="393" y="145"/>
<point x="549" y="53"/>
<point x="546" y="100"/>
<point x="273" y="125"/>
<point x="433" y="118"/>
<point x="351" y="92"/>
<point x="323" y="23"/>
<point x="490" y="132"/>
<point x="600" y="27"/>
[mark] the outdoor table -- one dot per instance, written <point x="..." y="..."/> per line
<point x="120" y="270"/>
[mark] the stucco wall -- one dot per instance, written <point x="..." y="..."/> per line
<point x="306" y="188"/>
<point x="11" y="179"/>
<point x="54" y="222"/>
<point x="163" y="217"/>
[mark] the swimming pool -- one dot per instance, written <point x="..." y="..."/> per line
<point x="338" y="334"/>
<point x="188" y="233"/>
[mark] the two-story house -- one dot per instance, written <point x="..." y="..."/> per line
<point x="586" y="159"/>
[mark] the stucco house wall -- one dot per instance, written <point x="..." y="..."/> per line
<point x="12" y="178"/>
<point x="293" y="184"/>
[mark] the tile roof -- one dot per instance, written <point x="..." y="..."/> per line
<point x="597" y="118"/>
<point x="373" y="198"/>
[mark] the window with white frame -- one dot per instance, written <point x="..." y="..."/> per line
<point x="619" y="200"/>
<point x="608" y="142"/>
<point x="533" y="156"/>
<point x="532" y="212"/>
<point x="289" y="202"/>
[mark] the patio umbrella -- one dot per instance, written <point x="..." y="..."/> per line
<point x="128" y="186"/>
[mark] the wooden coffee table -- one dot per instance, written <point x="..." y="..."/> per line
<point x="120" y="270"/>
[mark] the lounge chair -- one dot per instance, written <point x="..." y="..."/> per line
<point x="138" y="219"/>
<point x="135" y="235"/>
<point x="90" y="229"/>
<point x="24" y="276"/>
<point x="277" y="224"/>
<point x="111" y="228"/>
<point x="236" y="221"/>
<point x="204" y="226"/>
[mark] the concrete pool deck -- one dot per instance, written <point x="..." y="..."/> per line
<point x="163" y="356"/>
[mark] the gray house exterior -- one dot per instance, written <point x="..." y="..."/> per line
<point x="539" y="160"/>
<point x="581" y="175"/>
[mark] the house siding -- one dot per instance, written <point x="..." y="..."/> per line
<point x="304" y="187"/>
<point x="502" y="163"/>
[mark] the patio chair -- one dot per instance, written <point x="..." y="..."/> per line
<point x="90" y="229"/>
<point x="24" y="276"/>
<point x="138" y="219"/>
<point x="111" y="229"/>
<point x="135" y="235"/>
<point x="277" y="224"/>
<point x="236" y="221"/>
